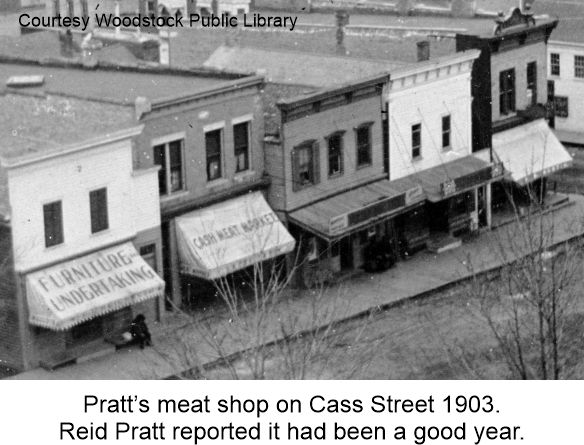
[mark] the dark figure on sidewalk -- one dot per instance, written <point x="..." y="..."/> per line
<point x="140" y="332"/>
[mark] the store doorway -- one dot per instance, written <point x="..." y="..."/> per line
<point x="346" y="247"/>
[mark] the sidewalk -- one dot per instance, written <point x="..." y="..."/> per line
<point x="422" y="273"/>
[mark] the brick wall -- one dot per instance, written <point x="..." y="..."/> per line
<point x="189" y="122"/>
<point x="10" y="342"/>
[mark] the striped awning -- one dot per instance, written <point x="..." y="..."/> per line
<point x="76" y="291"/>
<point x="230" y="236"/>
<point x="530" y="151"/>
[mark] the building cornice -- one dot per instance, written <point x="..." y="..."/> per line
<point x="223" y="88"/>
<point x="457" y="59"/>
<point x="565" y="43"/>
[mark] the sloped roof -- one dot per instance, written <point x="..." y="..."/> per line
<point x="295" y="68"/>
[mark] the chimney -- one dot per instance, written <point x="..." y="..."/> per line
<point x="423" y="50"/>
<point x="67" y="46"/>
<point x="342" y="19"/>
<point x="142" y="106"/>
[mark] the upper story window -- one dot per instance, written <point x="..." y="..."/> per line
<point x="213" y="151"/>
<point x="555" y="64"/>
<point x="170" y="158"/>
<point x="416" y="141"/>
<point x="53" y="221"/>
<point x="98" y="210"/>
<point x="364" y="144"/>
<point x="507" y="91"/>
<point x="579" y="66"/>
<point x="335" y="154"/>
<point x="532" y="82"/>
<point x="446" y="130"/>
<point x="305" y="165"/>
<point x="241" y="146"/>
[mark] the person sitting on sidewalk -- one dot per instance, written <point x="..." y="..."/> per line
<point x="139" y="331"/>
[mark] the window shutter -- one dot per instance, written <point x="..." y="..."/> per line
<point x="295" y="178"/>
<point x="315" y="162"/>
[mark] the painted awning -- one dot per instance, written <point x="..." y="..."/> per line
<point x="230" y="236"/>
<point x="75" y="291"/>
<point x="450" y="178"/>
<point x="530" y="151"/>
<point x="355" y="209"/>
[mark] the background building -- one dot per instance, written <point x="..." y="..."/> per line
<point x="566" y="85"/>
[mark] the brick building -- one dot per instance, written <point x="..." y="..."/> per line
<point x="79" y="227"/>
<point x="510" y="104"/>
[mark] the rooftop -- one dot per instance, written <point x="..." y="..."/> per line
<point x="114" y="84"/>
<point x="47" y="45"/>
<point x="296" y="68"/>
<point x="35" y="124"/>
<point x="193" y="46"/>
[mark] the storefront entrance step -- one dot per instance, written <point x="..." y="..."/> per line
<point x="79" y="355"/>
<point x="102" y="351"/>
<point x="439" y="244"/>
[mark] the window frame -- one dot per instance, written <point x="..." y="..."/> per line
<point x="416" y="129"/>
<point x="555" y="66"/>
<point x="218" y="156"/>
<point x="531" y="78"/>
<point x="446" y="132"/>
<point x="565" y="104"/>
<point x="366" y="126"/>
<point x="50" y="239"/>
<point x="237" y="149"/>
<point x="579" y="66"/>
<point x="340" y="155"/>
<point x="507" y="92"/>
<point x="165" y="172"/>
<point x="99" y="217"/>
<point x="311" y="146"/>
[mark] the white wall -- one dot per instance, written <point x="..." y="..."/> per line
<point x="132" y="202"/>
<point x="426" y="100"/>
<point x="568" y="85"/>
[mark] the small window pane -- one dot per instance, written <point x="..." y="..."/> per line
<point x="579" y="66"/>
<point x="561" y="106"/>
<point x="53" y="221"/>
<point x="363" y="145"/>
<point x="241" y="146"/>
<point x="445" y="131"/>
<point x="416" y="140"/>
<point x="213" y="150"/>
<point x="160" y="159"/>
<point x="98" y="208"/>
<point x="335" y="155"/>
<point x="555" y="64"/>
